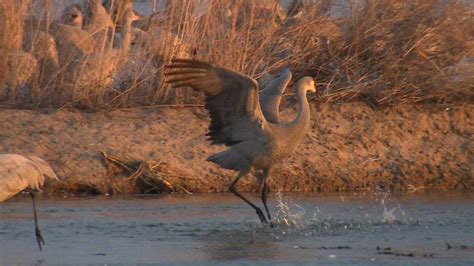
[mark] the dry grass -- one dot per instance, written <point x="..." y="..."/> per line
<point x="125" y="176"/>
<point x="384" y="53"/>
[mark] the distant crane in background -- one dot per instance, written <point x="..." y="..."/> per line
<point x="19" y="173"/>
<point x="238" y="121"/>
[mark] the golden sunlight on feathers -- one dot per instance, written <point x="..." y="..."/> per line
<point x="237" y="120"/>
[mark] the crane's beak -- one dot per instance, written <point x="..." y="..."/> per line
<point x="315" y="91"/>
<point x="136" y="16"/>
<point x="313" y="86"/>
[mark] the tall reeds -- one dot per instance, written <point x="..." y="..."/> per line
<point x="383" y="52"/>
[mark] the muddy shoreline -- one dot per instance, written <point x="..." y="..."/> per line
<point x="349" y="147"/>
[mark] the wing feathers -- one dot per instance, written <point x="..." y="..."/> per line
<point x="232" y="99"/>
<point x="187" y="78"/>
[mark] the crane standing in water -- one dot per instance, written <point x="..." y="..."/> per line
<point x="237" y="120"/>
<point x="19" y="173"/>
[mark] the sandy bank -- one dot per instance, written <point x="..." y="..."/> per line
<point x="350" y="146"/>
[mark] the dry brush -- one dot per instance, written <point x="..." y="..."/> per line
<point x="381" y="52"/>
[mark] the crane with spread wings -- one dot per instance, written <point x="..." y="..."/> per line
<point x="256" y="140"/>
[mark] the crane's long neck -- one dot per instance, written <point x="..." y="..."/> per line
<point x="295" y="131"/>
<point x="301" y="122"/>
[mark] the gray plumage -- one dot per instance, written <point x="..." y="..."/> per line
<point x="72" y="41"/>
<point x="73" y="15"/>
<point x="237" y="120"/>
<point x="98" y="23"/>
<point x="89" y="70"/>
<point x="18" y="173"/>
<point x="270" y="96"/>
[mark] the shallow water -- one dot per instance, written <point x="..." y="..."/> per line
<point x="216" y="228"/>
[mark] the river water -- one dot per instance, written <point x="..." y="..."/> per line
<point x="350" y="228"/>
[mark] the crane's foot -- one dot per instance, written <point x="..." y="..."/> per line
<point x="263" y="220"/>
<point x="39" y="238"/>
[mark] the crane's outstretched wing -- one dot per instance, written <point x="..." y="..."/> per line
<point x="270" y="96"/>
<point x="231" y="98"/>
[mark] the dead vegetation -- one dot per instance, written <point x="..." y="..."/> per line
<point x="135" y="176"/>
<point x="125" y="176"/>
<point x="382" y="52"/>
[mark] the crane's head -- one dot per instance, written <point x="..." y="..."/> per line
<point x="73" y="16"/>
<point x="307" y="83"/>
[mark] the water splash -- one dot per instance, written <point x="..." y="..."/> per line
<point x="384" y="213"/>
<point x="389" y="215"/>
<point x="289" y="214"/>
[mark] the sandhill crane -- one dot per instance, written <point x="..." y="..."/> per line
<point x="19" y="173"/>
<point x="98" y="68"/>
<point x="72" y="41"/>
<point x="98" y="22"/>
<point x="116" y="9"/>
<point x="270" y="96"/>
<point x="237" y="121"/>
<point x="72" y="15"/>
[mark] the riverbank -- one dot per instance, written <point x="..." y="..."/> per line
<point x="349" y="147"/>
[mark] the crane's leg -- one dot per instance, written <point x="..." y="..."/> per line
<point x="265" y="190"/>
<point x="233" y="190"/>
<point x="39" y="237"/>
